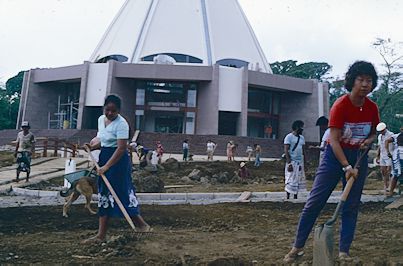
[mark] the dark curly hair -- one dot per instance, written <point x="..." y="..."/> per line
<point x="297" y="124"/>
<point x="357" y="69"/>
<point x="113" y="99"/>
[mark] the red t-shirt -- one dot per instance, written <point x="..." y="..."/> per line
<point x="356" y="122"/>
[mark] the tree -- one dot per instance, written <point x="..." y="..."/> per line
<point x="310" y="70"/>
<point x="336" y="90"/>
<point x="10" y="101"/>
<point x="389" y="95"/>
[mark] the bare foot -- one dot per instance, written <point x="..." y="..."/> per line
<point x="93" y="240"/>
<point x="144" y="229"/>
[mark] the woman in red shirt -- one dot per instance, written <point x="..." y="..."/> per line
<point x="353" y="118"/>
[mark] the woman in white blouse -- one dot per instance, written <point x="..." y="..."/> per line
<point x="114" y="162"/>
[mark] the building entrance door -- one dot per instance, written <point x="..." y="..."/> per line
<point x="227" y="123"/>
<point x="169" y="124"/>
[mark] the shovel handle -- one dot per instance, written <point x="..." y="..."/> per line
<point x="350" y="182"/>
<point x="114" y="195"/>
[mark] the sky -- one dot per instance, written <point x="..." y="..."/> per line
<point x="55" y="33"/>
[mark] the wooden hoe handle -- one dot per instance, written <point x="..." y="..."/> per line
<point x="109" y="186"/>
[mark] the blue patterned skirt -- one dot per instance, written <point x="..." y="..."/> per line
<point x="119" y="176"/>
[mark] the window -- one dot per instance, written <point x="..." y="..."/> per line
<point x="116" y="57"/>
<point x="233" y="63"/>
<point x="190" y="123"/>
<point x="180" y="58"/>
<point x="140" y="95"/>
<point x="191" y="101"/>
<point x="259" y="101"/>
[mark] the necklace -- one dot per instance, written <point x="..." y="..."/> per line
<point x="360" y="108"/>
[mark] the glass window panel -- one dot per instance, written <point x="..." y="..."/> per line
<point x="191" y="102"/>
<point x="140" y="96"/>
<point x="190" y="123"/>
<point x="259" y="101"/>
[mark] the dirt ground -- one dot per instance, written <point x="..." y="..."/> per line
<point x="6" y="158"/>
<point x="219" y="176"/>
<point x="225" y="234"/>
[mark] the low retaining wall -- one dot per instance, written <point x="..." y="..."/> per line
<point x="203" y="198"/>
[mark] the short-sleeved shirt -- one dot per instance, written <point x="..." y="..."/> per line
<point x="185" y="146"/>
<point x="210" y="146"/>
<point x="295" y="154"/>
<point x="381" y="143"/>
<point x="325" y="138"/>
<point x="25" y="142"/>
<point x="397" y="150"/>
<point x="356" y="123"/>
<point x="117" y="129"/>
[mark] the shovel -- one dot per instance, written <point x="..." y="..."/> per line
<point x="323" y="242"/>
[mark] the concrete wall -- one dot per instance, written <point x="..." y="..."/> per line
<point x="279" y="82"/>
<point x="207" y="105"/>
<point x="96" y="84"/>
<point x="300" y="106"/>
<point x="41" y="99"/>
<point x="59" y="73"/>
<point x="126" y="90"/>
<point x="230" y="89"/>
<point x="242" y="125"/>
<point x="163" y="72"/>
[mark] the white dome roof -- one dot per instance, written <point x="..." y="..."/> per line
<point x="201" y="32"/>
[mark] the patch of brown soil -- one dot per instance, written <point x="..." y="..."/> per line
<point x="6" y="158"/>
<point x="223" y="234"/>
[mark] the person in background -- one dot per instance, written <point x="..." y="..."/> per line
<point x="243" y="171"/>
<point x="160" y="151"/>
<point x="397" y="159"/>
<point x="382" y="154"/>
<point x="294" y="152"/>
<point x="24" y="149"/>
<point x="258" y="153"/>
<point x="323" y="144"/>
<point x="211" y="146"/>
<point x="249" y="152"/>
<point x="185" y="149"/>
<point x="231" y="150"/>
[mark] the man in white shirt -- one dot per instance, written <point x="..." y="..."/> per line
<point x="382" y="156"/>
<point x="294" y="168"/>
<point x="211" y="146"/>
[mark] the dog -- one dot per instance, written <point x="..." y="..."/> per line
<point x="85" y="186"/>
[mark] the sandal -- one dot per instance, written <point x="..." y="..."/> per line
<point x="92" y="240"/>
<point x="292" y="256"/>
<point x="343" y="256"/>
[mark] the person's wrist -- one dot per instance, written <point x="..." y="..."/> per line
<point x="346" y="168"/>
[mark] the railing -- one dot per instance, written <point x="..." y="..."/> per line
<point x="51" y="147"/>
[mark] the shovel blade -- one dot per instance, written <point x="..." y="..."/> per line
<point x="323" y="245"/>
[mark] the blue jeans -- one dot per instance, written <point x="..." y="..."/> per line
<point x="257" y="160"/>
<point x="326" y="179"/>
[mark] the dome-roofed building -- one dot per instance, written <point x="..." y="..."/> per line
<point x="180" y="66"/>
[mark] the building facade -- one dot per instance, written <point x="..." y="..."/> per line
<point x="180" y="66"/>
